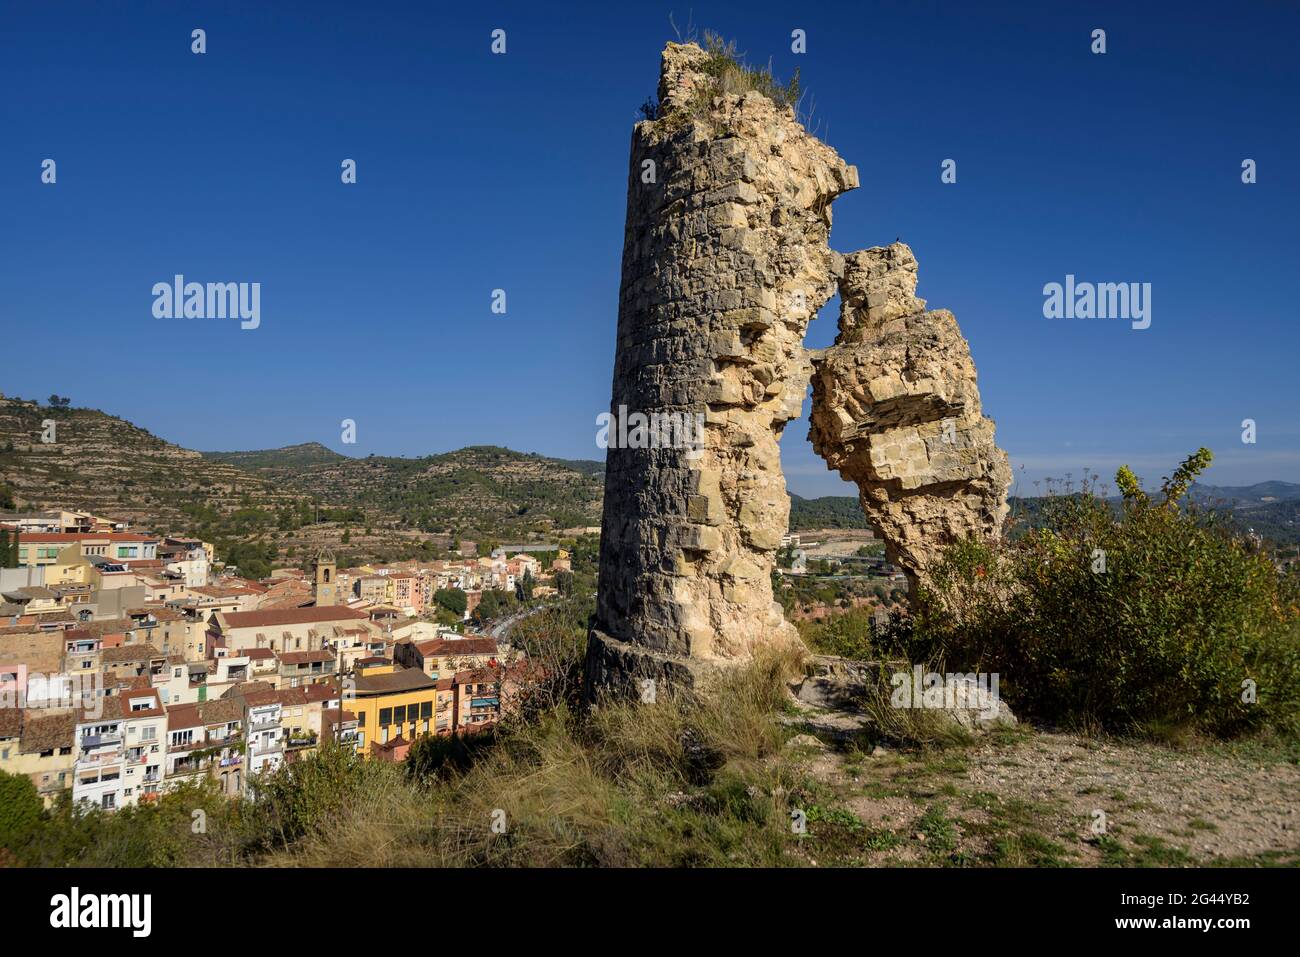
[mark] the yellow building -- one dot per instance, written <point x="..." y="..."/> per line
<point x="39" y="746"/>
<point x="391" y="702"/>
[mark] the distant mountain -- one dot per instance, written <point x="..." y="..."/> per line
<point x="290" y="457"/>
<point x="1260" y="493"/>
<point x="828" y="511"/>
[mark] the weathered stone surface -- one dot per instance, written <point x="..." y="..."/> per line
<point x="896" y="409"/>
<point x="725" y="260"/>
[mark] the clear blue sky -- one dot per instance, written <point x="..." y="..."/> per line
<point x="479" y="172"/>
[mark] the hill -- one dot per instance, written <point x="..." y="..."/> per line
<point x="295" y="499"/>
<point x="828" y="511"/>
<point x="478" y="491"/>
<point x="109" y="466"/>
<point x="290" y="457"/>
<point x="272" y="505"/>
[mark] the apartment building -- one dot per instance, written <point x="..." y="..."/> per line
<point x="206" y="740"/>
<point x="391" y="702"/>
<point x="120" y="750"/>
<point x="478" y="698"/>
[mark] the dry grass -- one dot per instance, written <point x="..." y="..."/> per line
<point x="684" y="781"/>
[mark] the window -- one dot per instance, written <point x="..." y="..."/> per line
<point x="399" y="714"/>
<point x="385" y="716"/>
<point x="361" y="719"/>
<point x="426" y="709"/>
<point x="149" y="733"/>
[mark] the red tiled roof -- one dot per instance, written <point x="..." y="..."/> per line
<point x="180" y="716"/>
<point x="289" y="616"/>
<point x="457" y="646"/>
<point x="305" y="657"/>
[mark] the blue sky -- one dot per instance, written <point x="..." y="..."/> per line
<point x="478" y="172"/>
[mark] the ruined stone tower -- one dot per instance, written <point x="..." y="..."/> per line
<point x="725" y="261"/>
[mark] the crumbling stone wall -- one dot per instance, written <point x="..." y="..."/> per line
<point x="725" y="261"/>
<point x="896" y="409"/>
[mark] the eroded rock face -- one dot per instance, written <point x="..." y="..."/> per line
<point x="725" y="260"/>
<point x="896" y="409"/>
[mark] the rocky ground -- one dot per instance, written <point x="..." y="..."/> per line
<point x="1025" y="797"/>
<point x="994" y="791"/>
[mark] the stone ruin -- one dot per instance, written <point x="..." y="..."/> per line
<point x="896" y="410"/>
<point x="725" y="261"/>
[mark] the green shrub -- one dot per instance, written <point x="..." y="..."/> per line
<point x="733" y="75"/>
<point x="848" y="635"/>
<point x="20" y="810"/>
<point x="306" y="796"/>
<point x="730" y="74"/>
<point x="1158" y="617"/>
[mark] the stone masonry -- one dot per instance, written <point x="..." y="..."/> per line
<point x="896" y="409"/>
<point x="725" y="261"/>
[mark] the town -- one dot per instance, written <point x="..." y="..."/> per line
<point x="132" y="663"/>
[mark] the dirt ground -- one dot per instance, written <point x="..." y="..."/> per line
<point x="1031" y="798"/>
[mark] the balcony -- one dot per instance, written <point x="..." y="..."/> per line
<point x="270" y="747"/>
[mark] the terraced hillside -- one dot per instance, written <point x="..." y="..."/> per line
<point x="476" y="491"/>
<point x="111" y="467"/>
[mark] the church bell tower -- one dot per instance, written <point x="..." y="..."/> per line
<point x="325" y="574"/>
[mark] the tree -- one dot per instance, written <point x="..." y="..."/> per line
<point x="493" y="604"/>
<point x="524" y="590"/>
<point x="452" y="599"/>
<point x="20" y="810"/>
<point x="564" y="583"/>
